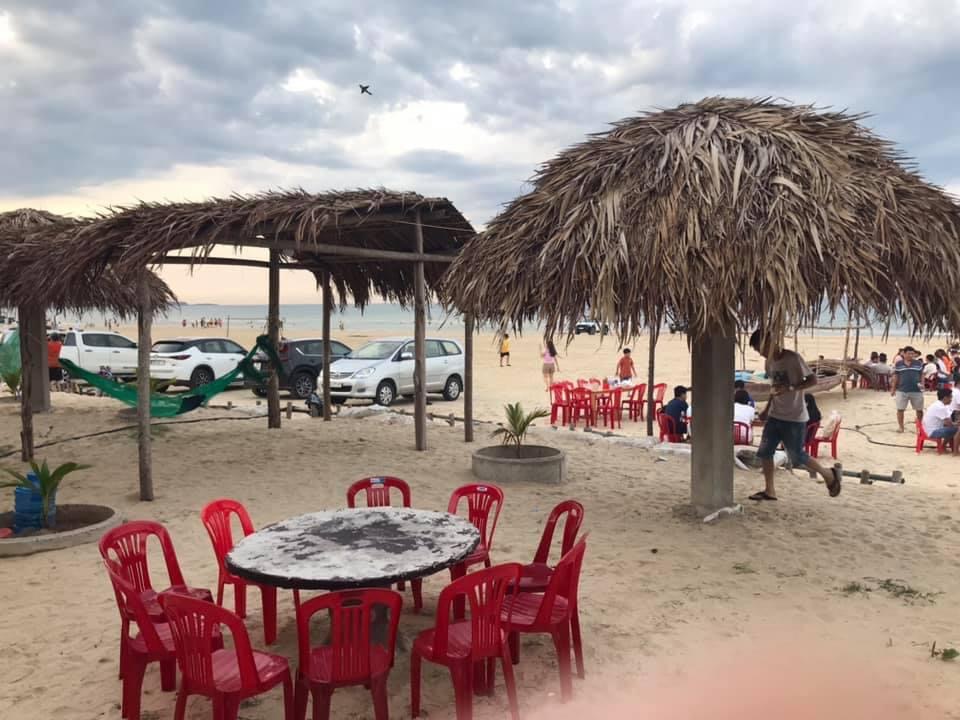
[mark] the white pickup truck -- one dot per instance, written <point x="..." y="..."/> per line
<point x="94" y="349"/>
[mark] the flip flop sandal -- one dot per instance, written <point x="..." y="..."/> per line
<point x="834" y="487"/>
<point x="762" y="495"/>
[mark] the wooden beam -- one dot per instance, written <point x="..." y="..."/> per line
<point x="273" y="330"/>
<point x="468" y="378"/>
<point x="327" y="307"/>
<point x="356" y="253"/>
<point x="227" y="262"/>
<point x="420" y="345"/>
<point x="651" y="368"/>
<point x="26" y="317"/>
<point x="144" y="345"/>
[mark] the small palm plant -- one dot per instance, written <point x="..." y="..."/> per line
<point x="47" y="483"/>
<point x="518" y="423"/>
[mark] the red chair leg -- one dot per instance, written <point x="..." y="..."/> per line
<point x="460" y="602"/>
<point x="231" y="707"/>
<point x="300" y="696"/>
<point x="240" y="599"/>
<point x="561" y="640"/>
<point x="168" y="675"/>
<point x="415" y="662"/>
<point x="220" y="584"/>
<point x="288" y="698"/>
<point x="462" y="675"/>
<point x="378" y="689"/>
<point x="417" y="587"/>
<point x="321" y="702"/>
<point x="514" y="641"/>
<point x="179" y="712"/>
<point x="132" y="687"/>
<point x="509" y="682"/>
<point x="268" y="599"/>
<point x="577" y="643"/>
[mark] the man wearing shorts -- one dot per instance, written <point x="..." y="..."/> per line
<point x="505" y="350"/>
<point x="906" y="387"/>
<point x="937" y="422"/>
<point x="786" y="414"/>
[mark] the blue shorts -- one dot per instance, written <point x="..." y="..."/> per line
<point x="944" y="432"/>
<point x="791" y="434"/>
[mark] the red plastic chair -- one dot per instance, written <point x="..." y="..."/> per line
<point x="864" y="382"/>
<point x="462" y="645"/>
<point x="581" y="383"/>
<point x="923" y="439"/>
<point x="742" y="434"/>
<point x="668" y="429"/>
<point x="930" y="383"/>
<point x="482" y="501"/>
<point x="535" y="577"/>
<point x="554" y="612"/>
<point x="226" y="676"/>
<point x="581" y="404"/>
<point x="815" y="442"/>
<point x="126" y="545"/>
<point x="216" y="517"/>
<point x="659" y="391"/>
<point x="377" y="493"/>
<point x="610" y="408"/>
<point x="352" y="657"/>
<point x="812" y="430"/>
<point x="559" y="403"/>
<point x="635" y="402"/>
<point x="152" y="643"/>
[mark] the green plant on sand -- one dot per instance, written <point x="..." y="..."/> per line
<point x="12" y="381"/>
<point x="47" y="479"/>
<point x="518" y="423"/>
<point x="947" y="654"/>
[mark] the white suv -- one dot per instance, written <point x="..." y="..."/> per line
<point x="194" y="361"/>
<point x="382" y="369"/>
<point x="91" y="350"/>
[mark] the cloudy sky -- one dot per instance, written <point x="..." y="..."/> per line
<point x="105" y="102"/>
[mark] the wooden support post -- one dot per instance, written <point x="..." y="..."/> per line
<point x="26" y="386"/>
<point x="711" y="464"/>
<point x="843" y="367"/>
<point x="419" y="342"/>
<point x="144" y="343"/>
<point x="651" y="363"/>
<point x="327" y="307"/>
<point x="468" y="378"/>
<point x="273" y="330"/>
<point x="289" y="410"/>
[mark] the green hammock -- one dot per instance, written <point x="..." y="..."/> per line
<point x="180" y="403"/>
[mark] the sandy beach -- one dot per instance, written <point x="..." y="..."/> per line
<point x="663" y="595"/>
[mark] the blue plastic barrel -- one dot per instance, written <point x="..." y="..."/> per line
<point x="28" y="507"/>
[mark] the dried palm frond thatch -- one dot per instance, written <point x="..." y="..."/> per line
<point x="30" y="238"/>
<point x="293" y="221"/>
<point x="722" y="213"/>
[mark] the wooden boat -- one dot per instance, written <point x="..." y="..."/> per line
<point x="825" y="382"/>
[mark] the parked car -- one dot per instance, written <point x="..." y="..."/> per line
<point x="91" y="350"/>
<point x="382" y="370"/>
<point x="302" y="362"/>
<point x="193" y="361"/>
<point x="591" y="327"/>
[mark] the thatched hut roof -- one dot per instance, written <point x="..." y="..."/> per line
<point x="722" y="212"/>
<point x="30" y="238"/>
<point x="295" y="222"/>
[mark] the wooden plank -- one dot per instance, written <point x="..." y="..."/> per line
<point x="356" y="253"/>
<point x="468" y="378"/>
<point x="327" y="308"/>
<point x="420" y="346"/>
<point x="144" y="344"/>
<point x="273" y="330"/>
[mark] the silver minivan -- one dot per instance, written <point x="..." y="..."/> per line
<point x="382" y="370"/>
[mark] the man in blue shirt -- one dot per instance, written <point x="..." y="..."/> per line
<point x="906" y="387"/>
<point x="677" y="409"/>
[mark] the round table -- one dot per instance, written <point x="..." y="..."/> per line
<point x="361" y="547"/>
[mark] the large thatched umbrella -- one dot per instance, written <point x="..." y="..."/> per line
<point x="720" y="214"/>
<point x="37" y="233"/>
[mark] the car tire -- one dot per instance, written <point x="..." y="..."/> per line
<point x="592" y="331"/>
<point x="338" y="401"/>
<point x="201" y="376"/>
<point x="260" y="392"/>
<point x="452" y="388"/>
<point x="386" y="393"/>
<point x="302" y="384"/>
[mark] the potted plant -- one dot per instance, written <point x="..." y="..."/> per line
<point x="35" y="494"/>
<point x="514" y="460"/>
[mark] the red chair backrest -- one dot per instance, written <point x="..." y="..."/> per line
<point x="581" y="383"/>
<point x="131" y="606"/>
<point x="812" y="429"/>
<point x="378" y="491"/>
<point x="637" y="393"/>
<point x="836" y="431"/>
<point x="484" y="590"/>
<point x="582" y="396"/>
<point x="659" y="391"/>
<point x="558" y="394"/>
<point x="572" y="513"/>
<point x="127" y="546"/>
<point x="482" y="500"/>
<point x="741" y="433"/>
<point x="216" y="517"/>
<point x="351" y="614"/>
<point x="194" y="624"/>
<point x="564" y="582"/>
<point x="667" y="426"/>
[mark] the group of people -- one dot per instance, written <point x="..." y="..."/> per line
<point x="940" y="420"/>
<point x="204" y="322"/>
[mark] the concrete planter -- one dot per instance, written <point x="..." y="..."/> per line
<point x="533" y="463"/>
<point x="79" y="524"/>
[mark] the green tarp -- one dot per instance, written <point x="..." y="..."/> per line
<point x="10" y="360"/>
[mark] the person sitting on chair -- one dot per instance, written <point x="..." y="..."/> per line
<point x="677" y="409"/>
<point x="937" y="423"/>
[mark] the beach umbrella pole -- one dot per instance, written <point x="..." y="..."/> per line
<point x="468" y="378"/>
<point x="144" y="344"/>
<point x="327" y="303"/>
<point x="420" y="344"/>
<point x="273" y="330"/>
<point x="711" y="469"/>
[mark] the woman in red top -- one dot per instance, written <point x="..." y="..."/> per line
<point x="53" y="357"/>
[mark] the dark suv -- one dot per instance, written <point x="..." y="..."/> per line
<point x="302" y="362"/>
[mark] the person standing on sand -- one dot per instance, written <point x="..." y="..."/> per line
<point x="54" y="344"/>
<point x="907" y="386"/>
<point x="626" y="370"/>
<point x="550" y="364"/>
<point x="786" y="415"/>
<point x="505" y="350"/>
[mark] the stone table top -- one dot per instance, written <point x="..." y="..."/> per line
<point x="350" y="548"/>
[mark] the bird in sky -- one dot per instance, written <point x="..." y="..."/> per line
<point x="365" y="89"/>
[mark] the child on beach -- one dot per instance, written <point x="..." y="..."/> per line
<point x="505" y="350"/>
<point x="626" y="370"/>
<point x="550" y="364"/>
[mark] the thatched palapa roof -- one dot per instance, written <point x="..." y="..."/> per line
<point x="295" y="222"/>
<point x="31" y="238"/>
<point x="717" y="214"/>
